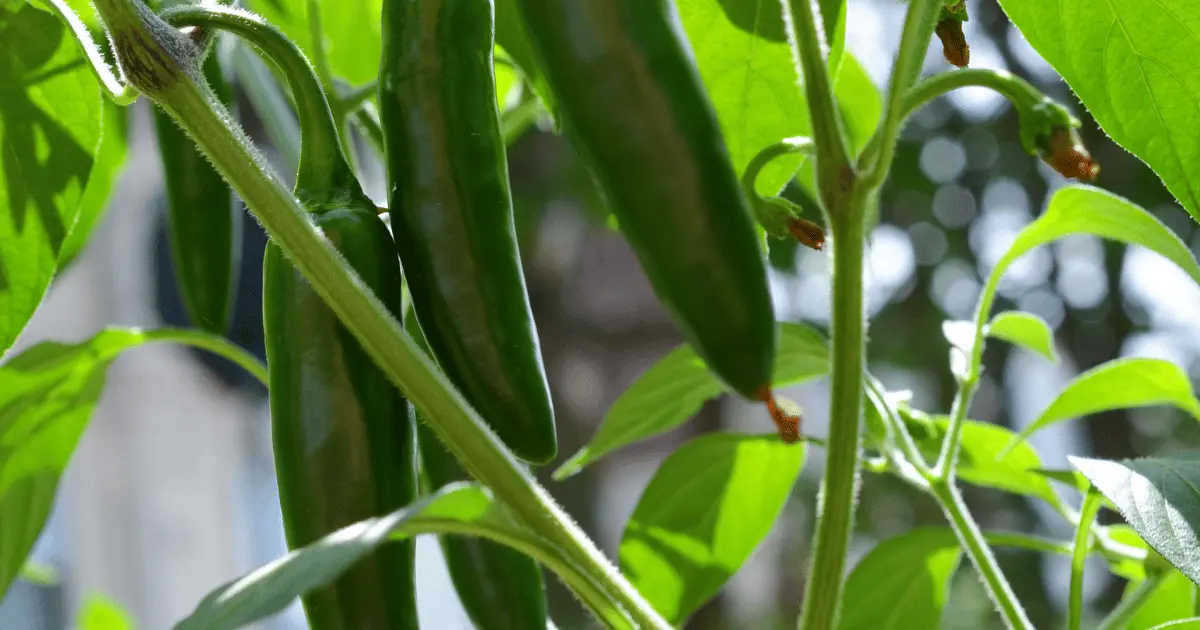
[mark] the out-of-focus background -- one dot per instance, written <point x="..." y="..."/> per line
<point x="171" y="491"/>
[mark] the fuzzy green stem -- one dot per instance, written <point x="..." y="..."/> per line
<point x="270" y="103"/>
<point x="1120" y="616"/>
<point x="212" y="343"/>
<point x="835" y="522"/>
<point x="1026" y="541"/>
<point x="835" y="173"/>
<point x="1087" y="515"/>
<point x="449" y="415"/>
<point x="914" y="41"/>
<point x="114" y="88"/>
<point x="975" y="544"/>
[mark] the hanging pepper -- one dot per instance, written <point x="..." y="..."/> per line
<point x="205" y="229"/>
<point x="631" y="100"/>
<point x="950" y="31"/>
<point x="500" y="588"/>
<point x="344" y="437"/>
<point x="452" y="217"/>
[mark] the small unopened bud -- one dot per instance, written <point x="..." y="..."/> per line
<point x="786" y="424"/>
<point x="807" y="232"/>
<point x="1066" y="154"/>
<point x="954" y="42"/>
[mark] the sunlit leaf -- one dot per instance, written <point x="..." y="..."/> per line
<point x="1133" y="64"/>
<point x="1026" y="330"/>
<point x="1158" y="498"/>
<point x="49" y="134"/>
<point x="1120" y="384"/>
<point x="352" y="30"/>
<point x="903" y="583"/>
<point x="672" y="391"/>
<point x="455" y="509"/>
<point x="102" y="613"/>
<point x="110" y="160"/>
<point x="708" y="506"/>
<point x="1170" y="603"/>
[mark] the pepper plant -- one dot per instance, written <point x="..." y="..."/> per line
<point x="407" y="389"/>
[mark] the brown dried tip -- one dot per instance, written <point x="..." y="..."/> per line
<point x="1069" y="157"/>
<point x="954" y="42"/>
<point x="807" y="232"/>
<point x="786" y="424"/>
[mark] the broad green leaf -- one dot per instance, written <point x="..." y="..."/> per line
<point x="746" y="64"/>
<point x="1026" y="330"/>
<point x="40" y="574"/>
<point x="1120" y="384"/>
<point x="110" y="159"/>
<point x="980" y="462"/>
<point x="859" y="102"/>
<point x="102" y="613"/>
<point x="47" y="394"/>
<point x="903" y="583"/>
<point x="708" y="506"/>
<point x="1170" y="603"/>
<point x="1133" y="64"/>
<point x="50" y="115"/>
<point x="351" y="27"/>
<point x="1086" y="210"/>
<point x="459" y="508"/>
<point x="672" y="391"/>
<point x="1158" y="498"/>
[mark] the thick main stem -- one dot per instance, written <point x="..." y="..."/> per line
<point x="840" y="486"/>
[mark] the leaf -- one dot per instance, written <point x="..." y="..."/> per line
<point x="47" y="394"/>
<point x="1170" y="602"/>
<point x="50" y="118"/>
<point x="672" y="391"/>
<point x="1026" y="330"/>
<point x="1132" y="63"/>
<point x="858" y="100"/>
<point x="1128" y="568"/>
<point x="708" y="506"/>
<point x="102" y="613"/>
<point x="1158" y="497"/>
<point x="980" y="462"/>
<point x="110" y="160"/>
<point x="903" y="582"/>
<point x="353" y="40"/>
<point x="510" y="34"/>
<point x="1191" y="623"/>
<point x="40" y="574"/>
<point x="746" y="65"/>
<point x="459" y="508"/>
<point x="1120" y="384"/>
<point x="1072" y="478"/>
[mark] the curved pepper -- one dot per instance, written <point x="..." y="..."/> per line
<point x="451" y="214"/>
<point x="344" y="437"/>
<point x="632" y="102"/>
<point x="204" y="227"/>
<point x="500" y="588"/>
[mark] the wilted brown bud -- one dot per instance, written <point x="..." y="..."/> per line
<point x="807" y="232"/>
<point x="954" y="42"/>
<point x="1069" y="157"/>
<point x="788" y="425"/>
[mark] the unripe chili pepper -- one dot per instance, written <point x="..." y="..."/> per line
<point x="500" y="588"/>
<point x="632" y="102"/>
<point x="344" y="437"/>
<point x="451" y="214"/>
<point x="205" y="229"/>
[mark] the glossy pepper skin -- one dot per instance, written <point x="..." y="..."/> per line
<point x="500" y="588"/>
<point x="204" y="227"/>
<point x="344" y="437"/>
<point x="451" y="214"/>
<point x="632" y="102"/>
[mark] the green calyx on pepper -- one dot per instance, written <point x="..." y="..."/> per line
<point x="344" y="437"/>
<point x="949" y="30"/>
<point x="778" y="216"/>
<point x="1050" y="132"/>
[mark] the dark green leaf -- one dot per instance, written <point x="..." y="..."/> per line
<point x="47" y="394"/>
<point x="1026" y="330"/>
<point x="456" y="509"/>
<point x="708" y="506"/>
<point x="672" y="391"/>
<point x="101" y="613"/>
<point x="1170" y="602"/>
<point x="1158" y="497"/>
<point x="1133" y="64"/>
<point x="1120" y="384"/>
<point x="902" y="583"/>
<point x="50" y="116"/>
<point x="980" y="462"/>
